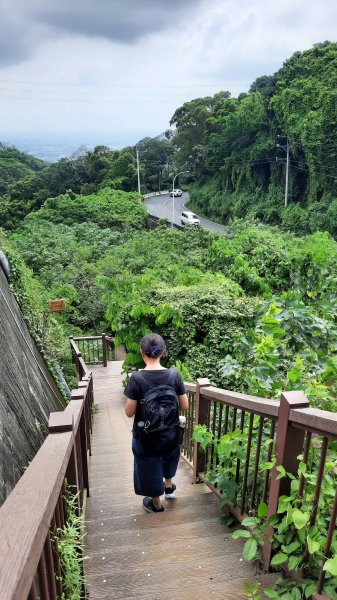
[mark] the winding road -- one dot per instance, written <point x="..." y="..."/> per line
<point x="162" y="206"/>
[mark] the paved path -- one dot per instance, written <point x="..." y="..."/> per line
<point x="162" y="206"/>
<point x="181" y="554"/>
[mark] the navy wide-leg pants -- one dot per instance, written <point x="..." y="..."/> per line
<point x="149" y="471"/>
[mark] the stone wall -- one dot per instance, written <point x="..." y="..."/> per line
<point x="28" y="393"/>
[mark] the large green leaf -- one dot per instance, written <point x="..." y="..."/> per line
<point x="279" y="559"/>
<point x="249" y="522"/>
<point x="294" y="562"/>
<point x="300" y="518"/>
<point x="262" y="510"/>
<point x="331" y="566"/>
<point x="312" y="545"/>
<point x="241" y="533"/>
<point x="250" y="549"/>
<point x="270" y="593"/>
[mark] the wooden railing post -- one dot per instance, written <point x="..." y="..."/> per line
<point x="105" y="353"/>
<point x="60" y="422"/>
<point x="289" y="444"/>
<point x="83" y="438"/>
<point x="202" y="412"/>
<point x="72" y="351"/>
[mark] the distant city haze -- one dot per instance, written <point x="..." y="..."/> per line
<point x="53" y="147"/>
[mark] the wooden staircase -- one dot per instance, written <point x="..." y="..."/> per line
<point x="183" y="553"/>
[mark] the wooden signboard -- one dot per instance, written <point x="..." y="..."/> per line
<point x="56" y="305"/>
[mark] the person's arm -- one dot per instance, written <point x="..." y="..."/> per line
<point x="181" y="392"/>
<point x="130" y="407"/>
<point x="132" y="393"/>
<point x="183" y="401"/>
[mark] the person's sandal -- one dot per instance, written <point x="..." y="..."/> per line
<point x="170" y="492"/>
<point x="148" y="505"/>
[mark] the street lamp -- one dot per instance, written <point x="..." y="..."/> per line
<point x="174" y="178"/>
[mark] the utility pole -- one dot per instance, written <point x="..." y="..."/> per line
<point x="287" y="177"/>
<point x="287" y="149"/>
<point x="138" y="174"/>
<point x="174" y="178"/>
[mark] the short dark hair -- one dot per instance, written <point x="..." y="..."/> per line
<point x="153" y="345"/>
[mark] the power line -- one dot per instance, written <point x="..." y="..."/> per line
<point x="300" y="162"/>
<point x="86" y="101"/>
<point x="307" y="170"/>
<point x="115" y="85"/>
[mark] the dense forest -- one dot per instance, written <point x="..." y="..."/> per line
<point x="252" y="308"/>
<point x="236" y="147"/>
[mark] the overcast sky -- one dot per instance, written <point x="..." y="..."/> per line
<point x="117" y="69"/>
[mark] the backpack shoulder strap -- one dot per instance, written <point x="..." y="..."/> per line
<point x="141" y="376"/>
<point x="170" y="382"/>
<point x="172" y="378"/>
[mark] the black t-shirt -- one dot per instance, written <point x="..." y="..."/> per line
<point x="137" y="387"/>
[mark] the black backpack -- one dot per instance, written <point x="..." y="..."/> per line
<point x="159" y="429"/>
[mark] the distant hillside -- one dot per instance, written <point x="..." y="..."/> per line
<point x="15" y="165"/>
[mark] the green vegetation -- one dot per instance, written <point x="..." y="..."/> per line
<point x="64" y="240"/>
<point x="16" y="165"/>
<point x="51" y="338"/>
<point x="156" y="162"/>
<point x="231" y="146"/>
<point x="86" y="174"/>
<point x="297" y="543"/>
<point x="69" y="543"/>
<point x="61" y="245"/>
<point x="218" y="299"/>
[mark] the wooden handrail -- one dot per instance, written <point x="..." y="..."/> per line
<point x="260" y="406"/>
<point x="315" y="420"/>
<point x="94" y="350"/>
<point x="83" y="365"/>
<point x="36" y="506"/>
<point x="75" y="347"/>
<point x="26" y="515"/>
<point x="87" y="337"/>
<point x="190" y="387"/>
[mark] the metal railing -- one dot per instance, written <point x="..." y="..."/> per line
<point x="29" y="559"/>
<point x="292" y="426"/>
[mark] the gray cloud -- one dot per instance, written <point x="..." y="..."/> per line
<point x="117" y="20"/>
<point x="124" y="21"/>
<point x="15" y="40"/>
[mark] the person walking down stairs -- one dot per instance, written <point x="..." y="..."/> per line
<point x="155" y="395"/>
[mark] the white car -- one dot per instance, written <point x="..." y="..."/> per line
<point x="189" y="218"/>
<point x="177" y="192"/>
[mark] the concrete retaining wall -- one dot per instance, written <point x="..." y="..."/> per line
<point x="28" y="393"/>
